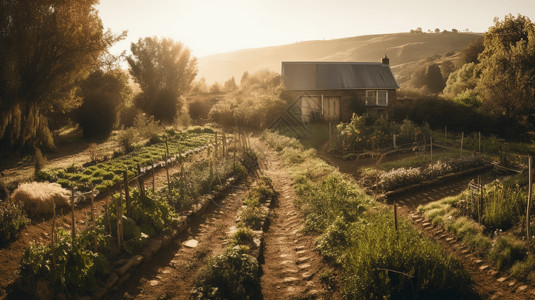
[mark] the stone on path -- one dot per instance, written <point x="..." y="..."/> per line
<point x="191" y="243"/>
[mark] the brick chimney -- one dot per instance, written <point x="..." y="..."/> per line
<point x="385" y="60"/>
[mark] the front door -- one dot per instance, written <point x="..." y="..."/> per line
<point x="331" y="108"/>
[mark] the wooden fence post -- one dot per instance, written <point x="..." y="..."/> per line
<point x="140" y="183"/>
<point x="394" y="140"/>
<point x="431" y="142"/>
<point x="167" y="173"/>
<point x="215" y="147"/>
<point x="330" y="136"/>
<point x="126" y="193"/>
<point x="530" y="190"/>
<point x="95" y="245"/>
<point x="395" y="216"/>
<point x="446" y="132"/>
<point x="479" y="143"/>
<point x="108" y="216"/>
<point x="53" y="243"/>
<point x="153" y="175"/>
<point x="73" y="232"/>
<point x="119" y="214"/>
<point x="224" y="142"/>
<point x="462" y="140"/>
<point x="166" y="147"/>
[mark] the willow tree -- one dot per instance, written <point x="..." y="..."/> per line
<point x="46" y="49"/>
<point x="507" y="65"/>
<point x="164" y="69"/>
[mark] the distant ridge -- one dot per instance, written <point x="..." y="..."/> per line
<point x="401" y="48"/>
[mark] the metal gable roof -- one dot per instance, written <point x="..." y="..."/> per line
<point x="337" y="76"/>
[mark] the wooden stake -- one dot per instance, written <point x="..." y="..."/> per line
<point x="462" y="140"/>
<point x="445" y="132"/>
<point x="330" y="136"/>
<point x="215" y="149"/>
<point x="431" y="142"/>
<point x="140" y="183"/>
<point x="167" y="173"/>
<point x="395" y="216"/>
<point x="479" y="144"/>
<point x="53" y="244"/>
<point x="126" y="192"/>
<point x="108" y="216"/>
<point x="394" y="140"/>
<point x="153" y="175"/>
<point x="120" y="223"/>
<point x="95" y="246"/>
<point x="224" y="142"/>
<point x="73" y="232"/>
<point x="530" y="190"/>
<point x="166" y="147"/>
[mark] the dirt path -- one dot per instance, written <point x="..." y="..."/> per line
<point x="171" y="273"/>
<point x="292" y="265"/>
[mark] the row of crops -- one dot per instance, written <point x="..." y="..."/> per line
<point x="109" y="173"/>
<point x="81" y="264"/>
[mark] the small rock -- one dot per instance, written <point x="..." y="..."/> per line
<point x="302" y="260"/>
<point x="191" y="243"/>
<point x="511" y="283"/>
<point x="289" y="279"/>
<point x="483" y="267"/>
<point x="154" y="282"/>
<point x="502" y="279"/>
<point x="302" y="252"/>
<point x="521" y="288"/>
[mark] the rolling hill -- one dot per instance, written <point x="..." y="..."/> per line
<point x="403" y="49"/>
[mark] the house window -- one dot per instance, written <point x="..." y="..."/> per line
<point x="377" y="98"/>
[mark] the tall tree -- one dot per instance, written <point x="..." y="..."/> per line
<point x="102" y="93"/>
<point x="507" y="81"/>
<point x="46" y="49"/>
<point x="164" y="69"/>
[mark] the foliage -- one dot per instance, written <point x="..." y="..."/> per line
<point x="507" y="251"/>
<point x="145" y="126"/>
<point x="358" y="234"/>
<point x="12" y="221"/>
<point x="76" y="267"/>
<point x="102" y="93"/>
<point x="233" y="275"/>
<point x="199" y="108"/>
<point x="110" y="172"/>
<point x="255" y="104"/>
<point x="46" y="49"/>
<point x="126" y="139"/>
<point x="40" y="160"/>
<point x="460" y="82"/>
<point x="507" y="81"/>
<point x="164" y="69"/>
<point x="471" y="53"/>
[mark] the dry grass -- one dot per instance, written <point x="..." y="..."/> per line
<point x="39" y="197"/>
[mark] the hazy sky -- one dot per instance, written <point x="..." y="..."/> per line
<point x="215" y="26"/>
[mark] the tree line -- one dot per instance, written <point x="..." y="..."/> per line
<point x="55" y="68"/>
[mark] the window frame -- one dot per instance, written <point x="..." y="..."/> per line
<point x="370" y="101"/>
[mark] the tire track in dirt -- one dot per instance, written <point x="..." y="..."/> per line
<point x="171" y="273"/>
<point x="292" y="265"/>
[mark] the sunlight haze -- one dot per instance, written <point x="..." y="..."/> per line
<point x="212" y="26"/>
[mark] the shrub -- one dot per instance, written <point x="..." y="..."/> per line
<point x="93" y="152"/>
<point x="40" y="160"/>
<point x="126" y="139"/>
<point x="507" y="251"/>
<point x="39" y="197"/>
<point x="12" y="221"/>
<point x="233" y="275"/>
<point x="253" y="216"/>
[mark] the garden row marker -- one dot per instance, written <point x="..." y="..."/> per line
<point x="53" y="245"/>
<point x="126" y="193"/>
<point x="215" y="149"/>
<point x="462" y="140"/>
<point x="394" y="140"/>
<point x="431" y="141"/>
<point x="119" y="214"/>
<point x="224" y="142"/>
<point x="167" y="172"/>
<point x="73" y="232"/>
<point x="108" y="216"/>
<point x="331" y="136"/>
<point x="395" y="216"/>
<point x="93" y="218"/>
<point x="140" y="183"/>
<point x="153" y="185"/>
<point x="479" y="144"/>
<point x="530" y="189"/>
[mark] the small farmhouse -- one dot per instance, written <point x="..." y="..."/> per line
<point x="333" y="91"/>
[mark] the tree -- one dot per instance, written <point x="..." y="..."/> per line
<point x="46" y="49"/>
<point x="433" y="78"/>
<point x="462" y="79"/>
<point x="230" y="85"/>
<point x="471" y="52"/>
<point x="102" y="93"/>
<point x="164" y="69"/>
<point x="507" y="65"/>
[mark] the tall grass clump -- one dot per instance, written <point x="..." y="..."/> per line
<point x="358" y="235"/>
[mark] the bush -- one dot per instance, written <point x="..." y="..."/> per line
<point x="507" y="251"/>
<point x="12" y="221"/>
<point x="126" y="139"/>
<point x="233" y="275"/>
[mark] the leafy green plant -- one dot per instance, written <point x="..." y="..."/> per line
<point x="12" y="221"/>
<point x="507" y="251"/>
<point x="75" y="269"/>
<point x="233" y="275"/>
